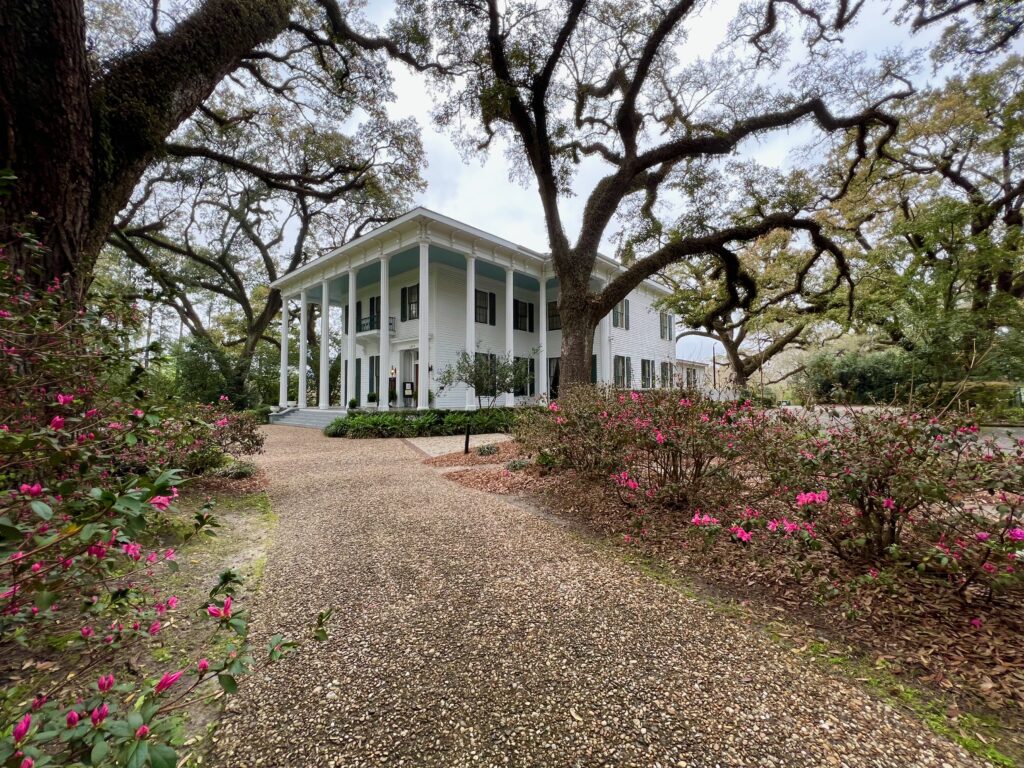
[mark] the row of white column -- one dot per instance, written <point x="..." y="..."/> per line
<point x="423" y="384"/>
<point x="384" y="337"/>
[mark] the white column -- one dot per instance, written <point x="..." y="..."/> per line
<point x="510" y="398"/>
<point x="470" y="321"/>
<point x="604" y="351"/>
<point x="350" y="355"/>
<point x="423" y="385"/>
<point x="325" y="348"/>
<point x="542" y="326"/>
<point x="283" y="385"/>
<point x="385" y="336"/>
<point x="303" y="346"/>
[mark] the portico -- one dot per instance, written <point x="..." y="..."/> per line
<point x="407" y="298"/>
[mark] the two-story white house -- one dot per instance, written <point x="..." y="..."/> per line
<point x="412" y="294"/>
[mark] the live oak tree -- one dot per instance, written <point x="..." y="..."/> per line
<point x="255" y="187"/>
<point x="791" y="306"/>
<point x="938" y="224"/>
<point x="610" y="87"/>
<point x="79" y="131"/>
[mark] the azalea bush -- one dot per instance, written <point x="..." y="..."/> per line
<point x="89" y="470"/>
<point x="922" y="495"/>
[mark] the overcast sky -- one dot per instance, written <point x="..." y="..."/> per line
<point x="480" y="193"/>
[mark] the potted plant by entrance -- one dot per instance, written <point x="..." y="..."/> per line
<point x="353" y="404"/>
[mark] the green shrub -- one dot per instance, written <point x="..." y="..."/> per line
<point x="517" y="464"/>
<point x="235" y="470"/>
<point x="487" y="450"/>
<point x="430" y="423"/>
<point x="337" y="428"/>
<point x="261" y="414"/>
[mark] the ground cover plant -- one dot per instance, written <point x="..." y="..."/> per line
<point x="90" y="471"/>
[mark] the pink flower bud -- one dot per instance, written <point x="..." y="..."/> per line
<point x="21" y="728"/>
<point x="72" y="719"/>
<point x="202" y="666"/>
<point x="142" y="732"/>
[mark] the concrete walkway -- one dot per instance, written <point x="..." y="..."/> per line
<point x="471" y="632"/>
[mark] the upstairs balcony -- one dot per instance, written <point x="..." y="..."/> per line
<point x="371" y="324"/>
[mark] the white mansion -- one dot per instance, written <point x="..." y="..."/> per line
<point x="412" y="294"/>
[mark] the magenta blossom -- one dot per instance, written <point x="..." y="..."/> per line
<point x="1015" y="534"/>
<point x="57" y="422"/>
<point x="982" y="535"/>
<point x="65" y="399"/>
<point x="99" y="715"/>
<point x="142" y="731"/>
<point x="976" y="622"/>
<point x="105" y="683"/>
<point x="21" y="728"/>
<point x="221" y="613"/>
<point x="169" y="679"/>
<point x="202" y="665"/>
<point x="72" y="719"/>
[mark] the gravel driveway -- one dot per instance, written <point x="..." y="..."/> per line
<point x="471" y="632"/>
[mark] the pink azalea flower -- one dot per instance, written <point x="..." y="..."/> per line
<point x="28" y="762"/>
<point x="169" y="679"/>
<point x="142" y="731"/>
<point x="160" y="503"/>
<point x="982" y="535"/>
<point x="976" y="622"/>
<point x="202" y="665"/>
<point x="553" y="407"/>
<point x="21" y="728"/>
<point x="138" y="414"/>
<point x="57" y="422"/>
<point x="221" y="613"/>
<point x="105" y="683"/>
<point x="31" y="490"/>
<point x="221" y="422"/>
<point x="65" y="399"/>
<point x="224" y="398"/>
<point x="88" y="632"/>
<point x="154" y="628"/>
<point x="888" y="503"/>
<point x="72" y="719"/>
<point x="1016" y="534"/>
<point x="99" y="715"/>
<point x="172" y="602"/>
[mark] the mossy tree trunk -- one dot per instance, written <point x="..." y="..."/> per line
<point x="77" y="142"/>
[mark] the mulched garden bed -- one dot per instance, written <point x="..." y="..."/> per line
<point x="507" y="450"/>
<point x="922" y="632"/>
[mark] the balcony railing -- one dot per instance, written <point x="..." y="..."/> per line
<point x="372" y="323"/>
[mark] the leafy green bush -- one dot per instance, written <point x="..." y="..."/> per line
<point x="860" y="378"/>
<point x="261" y="414"/>
<point x="236" y="470"/>
<point x="430" y="423"/>
<point x="487" y="450"/>
<point x="338" y="427"/>
<point x="517" y="464"/>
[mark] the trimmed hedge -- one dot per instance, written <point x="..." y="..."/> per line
<point x="430" y="423"/>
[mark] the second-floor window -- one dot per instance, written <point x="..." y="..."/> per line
<point x="620" y="315"/>
<point x="522" y="315"/>
<point x="411" y="303"/>
<point x="554" y="319"/>
<point x="667" y="323"/>
<point x="486" y="308"/>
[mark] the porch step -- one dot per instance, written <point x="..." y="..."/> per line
<point x="314" y="418"/>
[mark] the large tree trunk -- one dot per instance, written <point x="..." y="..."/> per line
<point x="78" y="146"/>
<point x="577" y="349"/>
<point x="46" y="137"/>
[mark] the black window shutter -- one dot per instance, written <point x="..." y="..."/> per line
<point x="530" y="321"/>
<point x="405" y="304"/>
<point x="515" y="314"/>
<point x="492" y="309"/>
<point x="359" y="312"/>
<point x="626" y="308"/>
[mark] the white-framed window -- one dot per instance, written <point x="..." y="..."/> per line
<point x="531" y="382"/>
<point x="691" y="378"/>
<point x="410" y="302"/>
<point x="522" y="315"/>
<point x="622" y="368"/>
<point x="486" y="308"/>
<point x="646" y="374"/>
<point x="554" y="319"/>
<point x="620" y="315"/>
<point x="666" y="374"/>
<point x="667" y="325"/>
